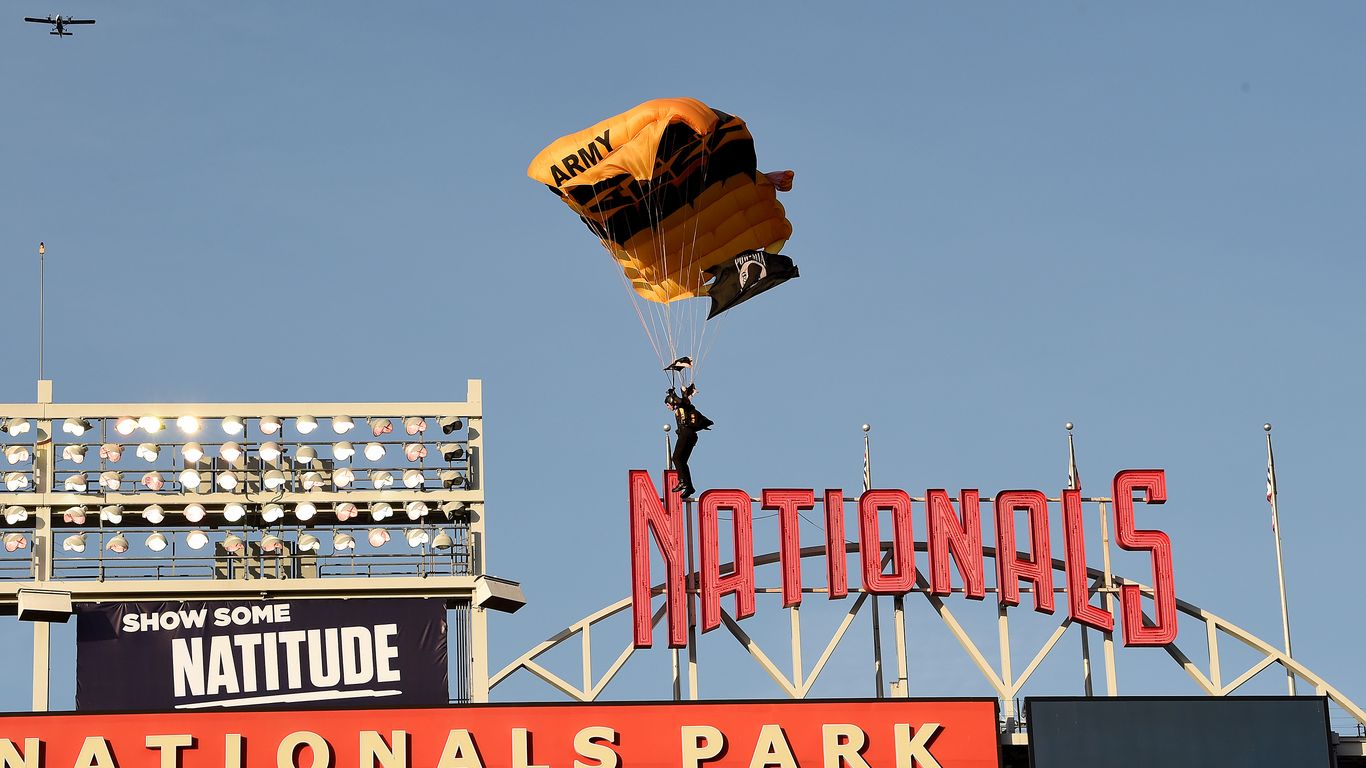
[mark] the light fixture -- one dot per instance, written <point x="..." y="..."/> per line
<point x="416" y="510"/>
<point x="452" y="451"/>
<point x="151" y="424"/>
<point x="227" y="480"/>
<point x="343" y="477"/>
<point x="306" y="455"/>
<point x="156" y="541"/>
<point x="231" y="452"/>
<point x="233" y="425"/>
<point x="342" y="424"/>
<point x="413" y="478"/>
<point x="270" y="425"/>
<point x="415" y="451"/>
<point x="154" y="514"/>
<point x="340" y="541"/>
<point x="312" y="481"/>
<point x="148" y="451"/>
<point x="381" y="479"/>
<point x="111" y="513"/>
<point x="450" y="424"/>
<point x="442" y="541"/>
<point x="374" y="451"/>
<point x="381" y="427"/>
<point x="196" y="539"/>
<point x="77" y="483"/>
<point x="15" y="541"/>
<point x="111" y="480"/>
<point x="75" y="426"/>
<point x="270" y="452"/>
<point x="305" y="510"/>
<point x="414" y="424"/>
<point x="17" y="426"/>
<point x="153" y="481"/>
<point x="111" y="451"/>
<point x="381" y="510"/>
<point x="451" y="479"/>
<point x="74" y="515"/>
<point x="232" y="511"/>
<point x="195" y="512"/>
<point x="308" y="542"/>
<point x="191" y="479"/>
<point x="16" y="453"/>
<point x="346" y="510"/>
<point x="273" y="479"/>
<point x="118" y="545"/>
<point x="15" y="514"/>
<point x="188" y="424"/>
<point x="74" y="543"/>
<point x="192" y="452"/>
<point x="456" y="511"/>
<point x="378" y="537"/>
<point x="232" y="543"/>
<point x="272" y="543"/>
<point x="305" y="424"/>
<point x="74" y="453"/>
<point x="416" y="537"/>
<point x="16" y="481"/>
<point x="272" y="512"/>
<point x="342" y="451"/>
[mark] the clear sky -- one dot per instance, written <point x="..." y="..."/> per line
<point x="1145" y="219"/>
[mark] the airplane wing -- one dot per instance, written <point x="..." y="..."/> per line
<point x="80" y="21"/>
<point x="38" y="21"/>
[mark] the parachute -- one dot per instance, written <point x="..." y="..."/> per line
<point x="672" y="191"/>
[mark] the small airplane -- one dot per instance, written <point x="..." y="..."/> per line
<point x="59" y="24"/>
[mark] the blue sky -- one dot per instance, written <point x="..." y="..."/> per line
<point x="1145" y="219"/>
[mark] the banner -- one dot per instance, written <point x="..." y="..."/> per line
<point x="193" y="655"/>
<point x="892" y="733"/>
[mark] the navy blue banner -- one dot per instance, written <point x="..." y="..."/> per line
<point x="296" y="653"/>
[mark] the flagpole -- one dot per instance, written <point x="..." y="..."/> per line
<point x="877" y="622"/>
<point x="1280" y="566"/>
<point x="1074" y="484"/>
<point x="42" y="303"/>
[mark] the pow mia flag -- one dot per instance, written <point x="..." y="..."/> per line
<point x="745" y="276"/>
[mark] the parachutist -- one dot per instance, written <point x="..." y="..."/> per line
<point x="690" y="422"/>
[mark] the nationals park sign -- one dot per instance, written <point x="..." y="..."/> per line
<point x="954" y="539"/>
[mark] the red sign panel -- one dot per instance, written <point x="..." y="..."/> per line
<point x="830" y="734"/>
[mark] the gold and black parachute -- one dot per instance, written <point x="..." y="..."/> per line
<point x="672" y="190"/>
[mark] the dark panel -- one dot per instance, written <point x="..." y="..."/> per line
<point x="1178" y="732"/>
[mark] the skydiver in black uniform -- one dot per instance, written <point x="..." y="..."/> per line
<point x="690" y="422"/>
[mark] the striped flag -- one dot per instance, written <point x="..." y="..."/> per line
<point x="1271" y="481"/>
<point x="867" y="468"/>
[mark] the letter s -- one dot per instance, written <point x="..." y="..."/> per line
<point x="1163" y="631"/>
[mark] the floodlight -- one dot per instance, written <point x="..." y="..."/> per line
<point x="188" y="424"/>
<point x="381" y="479"/>
<point x="232" y="512"/>
<point x="192" y="452"/>
<point x="342" y="451"/>
<point x="346" y="510"/>
<point x="156" y="541"/>
<point x="340" y="541"/>
<point x="111" y="451"/>
<point x="270" y="452"/>
<point x="308" y="542"/>
<point x="233" y="425"/>
<point x="75" y="515"/>
<point x="148" y="451"/>
<point x="196" y="539"/>
<point x="231" y="452"/>
<point x="343" y="477"/>
<point x="415" y="451"/>
<point x="450" y="424"/>
<point x="305" y="424"/>
<point x="15" y="514"/>
<point x="17" y="426"/>
<point x="414" y="424"/>
<point x="77" y="483"/>
<point x="452" y="479"/>
<point x="442" y="541"/>
<point x="232" y="543"/>
<point x="381" y="510"/>
<point x="273" y="479"/>
<point x="190" y="478"/>
<point x="270" y="425"/>
<point x="413" y="478"/>
<point x="111" y="480"/>
<point x="374" y="451"/>
<point x="16" y="453"/>
<point x="452" y="451"/>
<point x="416" y="509"/>
<point x="153" y="481"/>
<point x="305" y="510"/>
<point x="417" y="537"/>
<point x="15" y="541"/>
<point x="195" y="513"/>
<point x="118" y="545"/>
<point x="75" y="426"/>
<point x="378" y="537"/>
<point x="342" y="424"/>
<point x="111" y="513"/>
<point x="272" y="543"/>
<point x="312" y="481"/>
<point x="151" y="424"/>
<point x="272" y="512"/>
<point x="305" y="455"/>
<point x="153" y="514"/>
<point x="381" y="427"/>
<point x="227" y="480"/>
<point x="74" y="453"/>
<point x="16" y="481"/>
<point x="74" y="543"/>
<point x="456" y="511"/>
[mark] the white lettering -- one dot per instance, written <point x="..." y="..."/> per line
<point x="521" y="749"/>
<point x="232" y="750"/>
<point x="843" y="741"/>
<point x="386" y="652"/>
<point x="248" y="645"/>
<point x="187" y="665"/>
<point x="95" y="754"/>
<point x="910" y="752"/>
<point x="221" y="617"/>
<point x="373" y="748"/>
<point x="10" y="757"/>
<point x="589" y="744"/>
<point x="775" y="749"/>
<point x="700" y="742"/>
<point x="271" y="653"/>
<point x="358" y="656"/>
<point x="322" y="751"/>
<point x="222" y="670"/>
<point x="169" y="746"/>
<point x="460" y="751"/>
<point x="293" y="669"/>
<point x="320" y="642"/>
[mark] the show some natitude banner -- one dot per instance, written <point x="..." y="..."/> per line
<point x="899" y="733"/>
<point x="299" y="653"/>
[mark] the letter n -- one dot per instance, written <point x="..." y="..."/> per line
<point x="651" y="514"/>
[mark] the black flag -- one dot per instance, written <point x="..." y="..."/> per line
<point x="746" y="276"/>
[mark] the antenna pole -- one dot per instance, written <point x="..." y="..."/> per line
<point x="42" y="303"/>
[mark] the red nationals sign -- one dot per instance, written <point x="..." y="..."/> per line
<point x="833" y="734"/>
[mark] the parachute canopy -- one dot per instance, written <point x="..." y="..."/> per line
<point x="672" y="190"/>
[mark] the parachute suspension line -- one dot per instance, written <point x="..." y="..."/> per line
<point x="699" y="337"/>
<point x="606" y="239"/>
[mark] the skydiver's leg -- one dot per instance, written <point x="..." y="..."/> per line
<point x="687" y="439"/>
